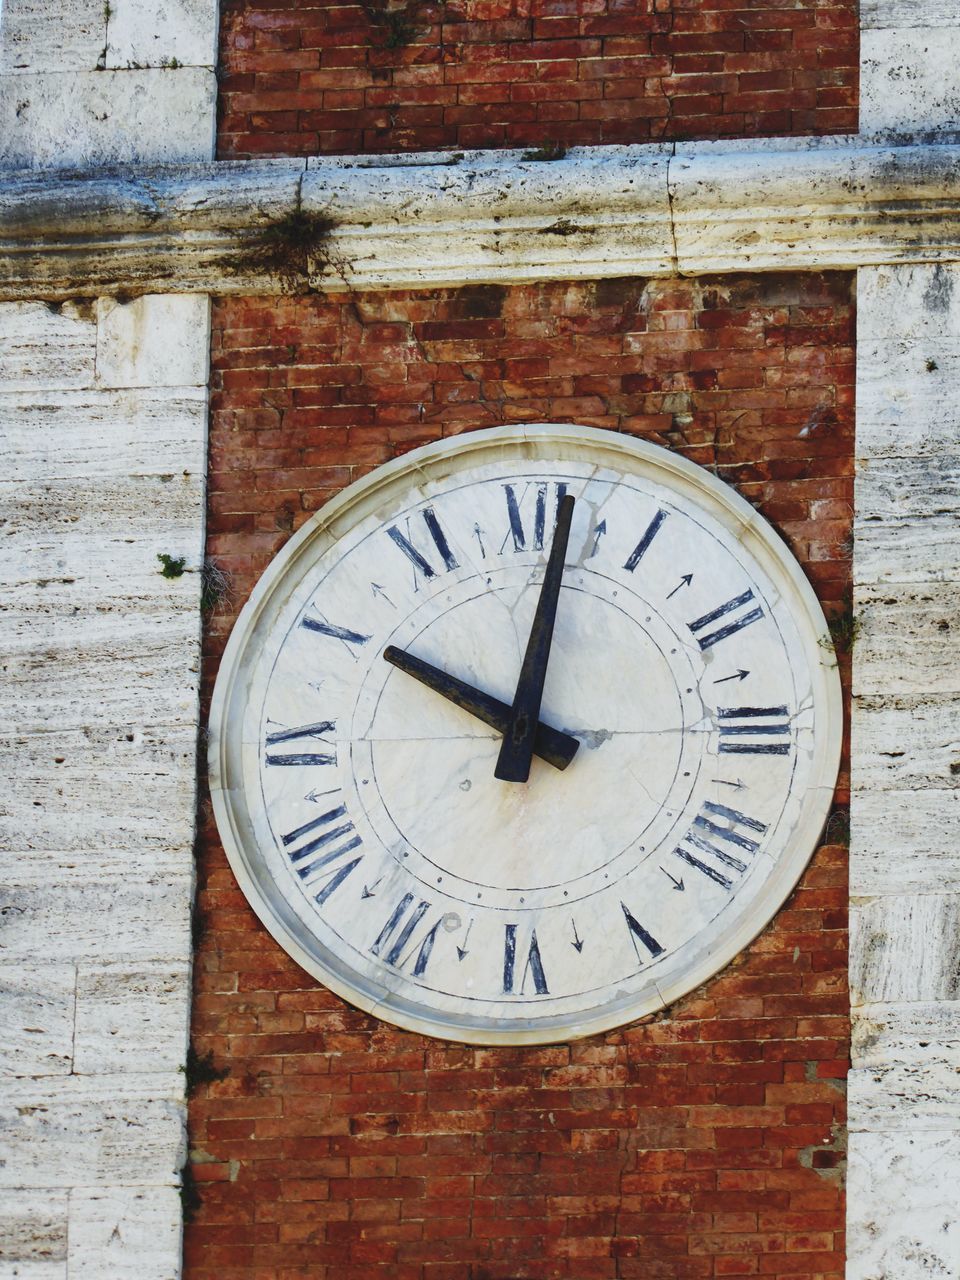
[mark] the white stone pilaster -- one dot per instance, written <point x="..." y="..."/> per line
<point x="904" y="1116"/>
<point x="103" y="434"/>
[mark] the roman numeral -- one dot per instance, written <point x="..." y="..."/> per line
<point x="392" y="948"/>
<point x="337" y="633"/>
<point x="532" y="965"/>
<point x="320" y="843"/>
<point x="421" y="564"/>
<point x="640" y="550"/>
<point x="639" y="934"/>
<point x="742" y="733"/>
<point x="532" y="539"/>
<point x="730" y="628"/>
<point x="318" y="732"/>
<point x="715" y="823"/>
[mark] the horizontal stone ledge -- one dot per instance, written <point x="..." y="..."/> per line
<point x="456" y="218"/>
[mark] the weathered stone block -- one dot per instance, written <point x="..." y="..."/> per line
<point x="51" y="35"/>
<point x="33" y="1235"/>
<point x="54" y="346"/>
<point x="55" y="120"/>
<point x="126" y="1233"/>
<point x="906" y="1074"/>
<point x="902" y="1193"/>
<point x="150" y="34"/>
<point x="908" y="81"/>
<point x="37" y="1002"/>
<point x="84" y="1131"/>
<point x="923" y="827"/>
<point x="905" y="948"/>
<point x="132" y="1018"/>
<point x="153" y="341"/>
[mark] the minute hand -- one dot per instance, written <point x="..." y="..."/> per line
<point x="552" y="745"/>
<point x="516" y="750"/>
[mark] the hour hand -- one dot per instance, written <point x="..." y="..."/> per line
<point x="549" y="744"/>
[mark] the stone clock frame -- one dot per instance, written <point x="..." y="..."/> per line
<point x="246" y="834"/>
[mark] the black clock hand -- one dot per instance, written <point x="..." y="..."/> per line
<point x="516" y="750"/>
<point x="551" y="745"/>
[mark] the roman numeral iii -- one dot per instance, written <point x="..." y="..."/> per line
<point x="749" y="730"/>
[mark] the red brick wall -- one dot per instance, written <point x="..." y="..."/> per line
<point x="705" y="1142"/>
<point x="301" y="77"/>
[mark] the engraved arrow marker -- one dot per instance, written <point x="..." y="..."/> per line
<point x="477" y="530"/>
<point x="600" y="530"/>
<point x="677" y="884"/>
<point x="369" y="893"/>
<point x="577" y="940"/>
<point x="462" y="951"/>
<point x="737" y="675"/>
<point x="317" y="796"/>
<point x="684" y="582"/>
<point x="737" y="786"/>
<point x="377" y="590"/>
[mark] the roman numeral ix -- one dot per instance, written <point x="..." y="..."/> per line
<point x="317" y="732"/>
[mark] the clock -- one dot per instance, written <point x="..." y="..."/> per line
<point x="657" y="658"/>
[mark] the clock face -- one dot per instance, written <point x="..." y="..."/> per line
<point x="360" y="810"/>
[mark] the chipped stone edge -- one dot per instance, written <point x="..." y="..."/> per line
<point x="448" y="219"/>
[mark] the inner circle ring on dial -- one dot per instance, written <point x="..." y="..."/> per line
<point x="679" y="802"/>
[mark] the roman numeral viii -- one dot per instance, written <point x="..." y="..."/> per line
<point x="318" y="845"/>
<point x="706" y="638"/>
<point x="716" y="830"/>
<point x="425" y="563"/>
<point x="748" y="730"/>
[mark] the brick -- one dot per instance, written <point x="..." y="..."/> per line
<point x="806" y="57"/>
<point x="360" y="1150"/>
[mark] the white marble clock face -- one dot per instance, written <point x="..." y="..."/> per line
<point x="360" y="810"/>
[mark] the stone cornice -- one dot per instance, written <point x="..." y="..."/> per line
<point x="492" y="216"/>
